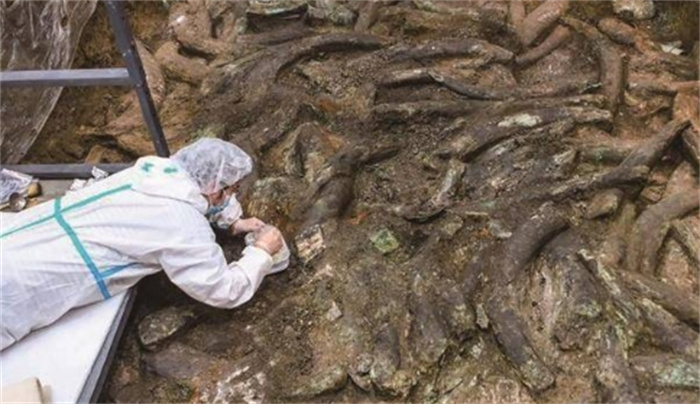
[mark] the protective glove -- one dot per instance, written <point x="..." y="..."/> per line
<point x="270" y="239"/>
<point x="249" y="225"/>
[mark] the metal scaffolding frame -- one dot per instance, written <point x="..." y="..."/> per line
<point x="132" y="75"/>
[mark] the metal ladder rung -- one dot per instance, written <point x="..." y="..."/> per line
<point x="66" y="78"/>
<point x="133" y="75"/>
<point x="59" y="171"/>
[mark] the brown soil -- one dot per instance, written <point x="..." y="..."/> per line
<point x="516" y="202"/>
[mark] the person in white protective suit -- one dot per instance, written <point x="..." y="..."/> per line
<point x="99" y="241"/>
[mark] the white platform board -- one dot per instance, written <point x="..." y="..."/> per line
<point x="70" y="356"/>
<point x="65" y="354"/>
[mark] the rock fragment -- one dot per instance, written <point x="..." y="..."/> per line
<point x="482" y="320"/>
<point x="604" y="203"/>
<point x="179" y="361"/>
<point x="164" y="324"/>
<point x="669" y="371"/>
<point x="333" y="313"/>
<point x="635" y="9"/>
<point x="385" y="241"/>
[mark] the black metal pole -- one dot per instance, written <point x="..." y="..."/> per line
<point x="125" y="42"/>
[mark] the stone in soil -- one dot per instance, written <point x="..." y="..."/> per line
<point x="668" y="371"/>
<point x="635" y="9"/>
<point x="385" y="241"/>
<point x="178" y="361"/>
<point x="164" y="324"/>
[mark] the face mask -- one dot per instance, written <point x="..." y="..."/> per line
<point x="225" y="214"/>
<point x="216" y="209"/>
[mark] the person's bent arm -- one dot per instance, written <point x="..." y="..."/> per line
<point x="199" y="268"/>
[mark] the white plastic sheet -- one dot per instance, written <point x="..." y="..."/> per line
<point x="12" y="182"/>
<point x="35" y="35"/>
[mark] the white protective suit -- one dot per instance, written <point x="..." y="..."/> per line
<point x="99" y="241"/>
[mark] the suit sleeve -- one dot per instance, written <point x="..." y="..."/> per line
<point x="197" y="266"/>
